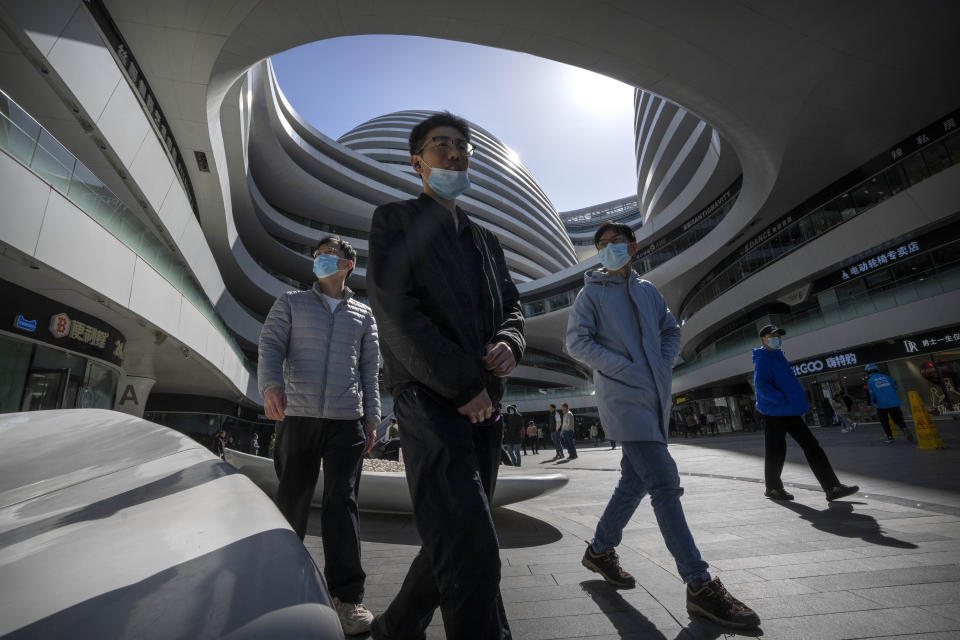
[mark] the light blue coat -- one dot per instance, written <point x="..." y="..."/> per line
<point x="622" y="329"/>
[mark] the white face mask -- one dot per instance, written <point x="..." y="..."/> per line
<point x="774" y="342"/>
<point x="447" y="183"/>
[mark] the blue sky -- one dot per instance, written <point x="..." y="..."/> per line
<point x="572" y="129"/>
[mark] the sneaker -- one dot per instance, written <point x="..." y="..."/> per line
<point x="841" y="491"/>
<point x="607" y="564"/>
<point x="714" y="602"/>
<point x="354" y="617"/>
<point x="890" y="440"/>
<point x="778" y="494"/>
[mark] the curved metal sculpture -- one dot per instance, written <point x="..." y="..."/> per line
<point x="115" y="527"/>
<point x="387" y="492"/>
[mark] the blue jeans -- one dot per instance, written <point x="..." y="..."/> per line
<point x="567" y="439"/>
<point x="513" y="450"/>
<point x="647" y="467"/>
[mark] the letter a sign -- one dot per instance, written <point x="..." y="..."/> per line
<point x="129" y="395"/>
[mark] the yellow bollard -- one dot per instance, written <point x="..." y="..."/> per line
<point x="927" y="435"/>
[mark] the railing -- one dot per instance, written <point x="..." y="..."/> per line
<point x="909" y="281"/>
<point x="553" y="392"/>
<point x="28" y="142"/>
<point x="801" y="229"/>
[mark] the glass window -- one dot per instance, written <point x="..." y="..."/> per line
<point x="915" y="169"/>
<point x="14" y="363"/>
<point x="952" y="144"/>
<point x="99" y="387"/>
<point x="937" y="157"/>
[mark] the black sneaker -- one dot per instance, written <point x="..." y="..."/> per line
<point x="607" y="564"/>
<point x="908" y="434"/>
<point x="841" y="491"/>
<point x="778" y="494"/>
<point x="714" y="602"/>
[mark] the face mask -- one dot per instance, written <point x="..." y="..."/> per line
<point x="511" y="412"/>
<point x="774" y="343"/>
<point x="614" y="256"/>
<point x="325" y="265"/>
<point x="446" y="183"/>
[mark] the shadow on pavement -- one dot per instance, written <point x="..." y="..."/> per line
<point x="515" y="530"/>
<point x="630" y="623"/>
<point x="840" y="519"/>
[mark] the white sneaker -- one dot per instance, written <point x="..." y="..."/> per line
<point x="355" y="618"/>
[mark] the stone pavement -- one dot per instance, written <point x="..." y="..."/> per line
<point x="882" y="564"/>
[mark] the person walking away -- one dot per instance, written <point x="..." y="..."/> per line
<point x="393" y="430"/>
<point x="219" y="444"/>
<point x="555" y="424"/>
<point x="317" y="371"/>
<point x="620" y="326"/>
<point x="594" y="435"/>
<point x="513" y="434"/>
<point x="782" y="403"/>
<point x="840" y="410"/>
<point x="452" y="328"/>
<point x="883" y="395"/>
<point x="255" y="444"/>
<point x="848" y="401"/>
<point x="532" y="436"/>
<point x="272" y="445"/>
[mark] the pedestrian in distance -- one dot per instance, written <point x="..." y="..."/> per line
<point x="255" y="444"/>
<point x="567" y="425"/>
<point x="532" y="437"/>
<point x="555" y="424"/>
<point x="840" y="410"/>
<point x="317" y="371"/>
<point x="595" y="435"/>
<point x="883" y="395"/>
<point x="452" y="327"/>
<point x="712" y="424"/>
<point x="620" y="326"/>
<point x="513" y="428"/>
<point x="782" y="403"/>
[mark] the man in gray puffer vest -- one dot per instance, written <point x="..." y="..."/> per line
<point x="319" y="360"/>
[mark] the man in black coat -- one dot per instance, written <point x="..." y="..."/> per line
<point x="451" y="330"/>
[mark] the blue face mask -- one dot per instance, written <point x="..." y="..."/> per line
<point x="614" y="256"/>
<point x="448" y="184"/>
<point x="775" y="342"/>
<point x="325" y="265"/>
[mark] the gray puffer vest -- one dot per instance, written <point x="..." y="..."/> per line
<point x="326" y="362"/>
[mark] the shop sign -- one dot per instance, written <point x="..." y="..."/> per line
<point x="880" y="260"/>
<point x="944" y="340"/>
<point x="23" y="324"/>
<point x="820" y="364"/>
<point x="766" y="234"/>
<point x="61" y="326"/>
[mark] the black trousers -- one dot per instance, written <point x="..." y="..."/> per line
<point x="302" y="443"/>
<point x="451" y="468"/>
<point x="777" y="428"/>
<point x="891" y="412"/>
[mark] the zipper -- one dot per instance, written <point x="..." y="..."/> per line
<point x="326" y="365"/>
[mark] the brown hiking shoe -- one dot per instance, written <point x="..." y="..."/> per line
<point x="607" y="564"/>
<point x="714" y="602"/>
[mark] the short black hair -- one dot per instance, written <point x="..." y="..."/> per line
<point x="617" y="227"/>
<point x="348" y="251"/>
<point x="418" y="136"/>
<point x="553" y="406"/>
<point x="565" y="405"/>
<point x="393" y="419"/>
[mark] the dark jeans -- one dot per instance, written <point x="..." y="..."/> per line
<point x="777" y="428"/>
<point x="557" y="443"/>
<point x="892" y="412"/>
<point x="301" y="445"/>
<point x="566" y="438"/>
<point x="451" y="468"/>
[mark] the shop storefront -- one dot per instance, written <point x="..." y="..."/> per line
<point x="53" y="356"/>
<point x="927" y="363"/>
<point x="719" y="409"/>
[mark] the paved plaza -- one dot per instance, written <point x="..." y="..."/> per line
<point x="882" y="564"/>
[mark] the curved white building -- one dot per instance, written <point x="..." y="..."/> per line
<point x="159" y="188"/>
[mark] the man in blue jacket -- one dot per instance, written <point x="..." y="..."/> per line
<point x="782" y="403"/>
<point x="883" y="395"/>
<point x="620" y="326"/>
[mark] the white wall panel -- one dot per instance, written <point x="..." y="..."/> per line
<point x="152" y="172"/>
<point x="193" y="327"/>
<point x="155" y="299"/>
<point x="175" y="211"/>
<point x="81" y="59"/>
<point x="23" y="206"/>
<point x="123" y="123"/>
<point x="42" y="20"/>
<point x="77" y="246"/>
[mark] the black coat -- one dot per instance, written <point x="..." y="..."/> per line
<point x="512" y="427"/>
<point x="417" y="287"/>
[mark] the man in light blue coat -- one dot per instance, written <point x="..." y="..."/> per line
<point x="883" y="395"/>
<point x="621" y="327"/>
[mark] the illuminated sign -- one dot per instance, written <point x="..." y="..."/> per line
<point x="880" y="260"/>
<point x="820" y="364"/>
<point x="23" y="324"/>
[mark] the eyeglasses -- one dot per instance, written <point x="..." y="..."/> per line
<point x="446" y="144"/>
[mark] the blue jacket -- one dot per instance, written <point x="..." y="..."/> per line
<point x="778" y="391"/>
<point x="622" y="329"/>
<point x="883" y="391"/>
